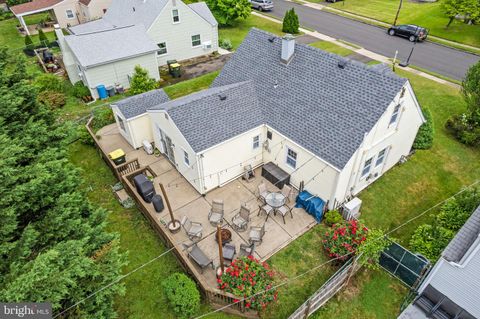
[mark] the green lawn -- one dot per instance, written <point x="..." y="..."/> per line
<point x="428" y="15"/>
<point x="237" y="33"/>
<point x="190" y="86"/>
<point x="36" y="18"/>
<point x="331" y="47"/>
<point x="10" y="37"/>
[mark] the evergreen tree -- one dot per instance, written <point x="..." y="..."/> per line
<point x="141" y="81"/>
<point x="29" y="43"/>
<point x="42" y="37"/>
<point x="290" y="22"/>
<point x="53" y="243"/>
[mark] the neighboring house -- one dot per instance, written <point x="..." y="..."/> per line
<point x="66" y="12"/>
<point x="177" y="31"/>
<point x="335" y="124"/>
<point x="452" y="288"/>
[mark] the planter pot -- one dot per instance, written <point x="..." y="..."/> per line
<point x="174" y="227"/>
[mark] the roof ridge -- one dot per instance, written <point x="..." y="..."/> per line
<point x="105" y="30"/>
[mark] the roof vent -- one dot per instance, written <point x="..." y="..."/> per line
<point x="222" y="97"/>
<point x="342" y="64"/>
<point x="133" y="8"/>
<point x="271" y="39"/>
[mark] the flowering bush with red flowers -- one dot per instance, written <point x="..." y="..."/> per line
<point x="248" y="278"/>
<point x="342" y="240"/>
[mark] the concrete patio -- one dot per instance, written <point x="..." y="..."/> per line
<point x="186" y="201"/>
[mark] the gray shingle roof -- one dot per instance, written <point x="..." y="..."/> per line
<point x="107" y="46"/>
<point x="206" y="120"/>
<point x="464" y="239"/>
<point x="311" y="100"/>
<point x="138" y="104"/>
<point x="92" y="26"/>
<point x="202" y="10"/>
<point x="138" y="12"/>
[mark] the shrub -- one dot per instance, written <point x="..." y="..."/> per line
<point x="79" y="90"/>
<point x="49" y="82"/>
<point x="83" y="136"/>
<point x="53" y="100"/>
<point x="225" y="44"/>
<point x="246" y="277"/>
<point x="227" y="12"/>
<point x="141" y="81"/>
<point x="290" y="22"/>
<point x="182" y="294"/>
<point x="29" y="43"/>
<point x="102" y="117"/>
<point x="342" y="240"/>
<point x="371" y="249"/>
<point x="42" y="37"/>
<point x="424" y="138"/>
<point x="333" y="217"/>
<point x="430" y="240"/>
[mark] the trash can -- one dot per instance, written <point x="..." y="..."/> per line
<point x="120" y="89"/>
<point x="176" y="70"/>
<point x="117" y="156"/>
<point x="111" y="90"/>
<point x="102" y="91"/>
<point x="169" y="63"/>
<point x="157" y="202"/>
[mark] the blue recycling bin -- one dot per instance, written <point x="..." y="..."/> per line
<point x="102" y="91"/>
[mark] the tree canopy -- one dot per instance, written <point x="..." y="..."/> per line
<point x="290" y="22"/>
<point x="228" y="11"/>
<point x="141" y="81"/>
<point x="53" y="245"/>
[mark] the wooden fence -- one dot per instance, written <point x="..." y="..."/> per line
<point x="125" y="173"/>
<point x="328" y="290"/>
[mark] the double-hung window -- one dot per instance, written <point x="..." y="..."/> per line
<point x="175" y="16"/>
<point x="196" y="40"/>
<point x="70" y="14"/>
<point x="186" y="159"/>
<point x="256" y="142"/>
<point x="367" y="166"/>
<point x="162" y="48"/>
<point x="395" y="114"/>
<point x="291" y="158"/>
<point x="381" y="157"/>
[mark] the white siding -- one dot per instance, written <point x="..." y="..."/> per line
<point x="60" y="11"/>
<point x="126" y="131"/>
<point x="397" y="139"/>
<point x="178" y="36"/>
<point x="191" y="173"/>
<point x="226" y="161"/>
<point x="96" y="8"/>
<point x="308" y="165"/>
<point x="119" y="71"/>
<point x="140" y="130"/>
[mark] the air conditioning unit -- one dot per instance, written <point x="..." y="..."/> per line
<point x="266" y="146"/>
<point x="207" y="44"/>
<point x="147" y="147"/>
<point x="351" y="210"/>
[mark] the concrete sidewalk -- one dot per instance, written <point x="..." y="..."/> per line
<point x="364" y="52"/>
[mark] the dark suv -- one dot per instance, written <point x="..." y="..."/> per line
<point x="412" y="32"/>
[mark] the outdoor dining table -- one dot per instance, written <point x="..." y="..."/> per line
<point x="275" y="200"/>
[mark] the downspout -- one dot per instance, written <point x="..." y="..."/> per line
<point x="201" y="180"/>
<point x="354" y="168"/>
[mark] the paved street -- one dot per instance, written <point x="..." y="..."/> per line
<point x="436" y="58"/>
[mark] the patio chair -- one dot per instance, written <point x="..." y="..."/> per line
<point x="265" y="208"/>
<point x="199" y="257"/>
<point x="248" y="173"/>
<point x="286" y="191"/>
<point x="262" y="192"/>
<point x="241" y="219"/>
<point x="247" y="250"/>
<point x="215" y="217"/>
<point x="284" y="210"/>
<point x="193" y="229"/>
<point x="256" y="234"/>
<point x="229" y="252"/>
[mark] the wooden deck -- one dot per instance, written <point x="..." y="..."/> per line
<point x="186" y="201"/>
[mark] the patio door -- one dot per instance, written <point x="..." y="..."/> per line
<point x="170" y="151"/>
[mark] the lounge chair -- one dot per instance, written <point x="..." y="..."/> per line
<point x="215" y="217"/>
<point x="284" y="210"/>
<point x="241" y="219"/>
<point x="286" y="191"/>
<point x="247" y="250"/>
<point x="256" y="234"/>
<point x="193" y="229"/>
<point x="262" y="192"/>
<point x="199" y="257"/>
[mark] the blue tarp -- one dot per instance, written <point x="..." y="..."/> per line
<point x="312" y="204"/>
